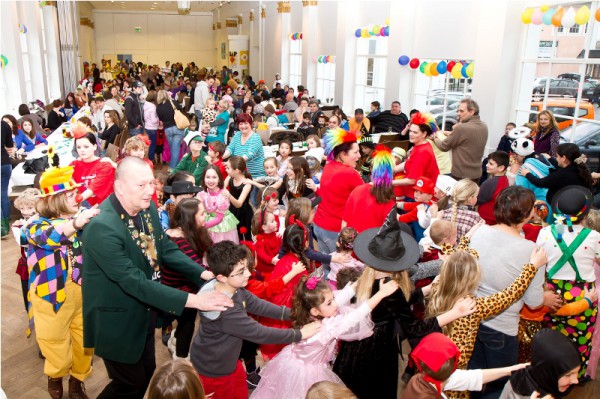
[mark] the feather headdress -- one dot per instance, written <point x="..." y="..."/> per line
<point x="382" y="168"/>
<point x="335" y="137"/>
<point x="423" y="118"/>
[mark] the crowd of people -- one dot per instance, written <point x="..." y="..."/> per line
<point x="322" y="263"/>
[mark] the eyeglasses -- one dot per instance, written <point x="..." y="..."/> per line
<point x="239" y="274"/>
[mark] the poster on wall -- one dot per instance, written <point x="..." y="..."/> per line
<point x="233" y="59"/>
<point x="244" y="57"/>
<point x="238" y="53"/>
<point x="223" y="51"/>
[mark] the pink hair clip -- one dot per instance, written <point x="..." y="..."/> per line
<point x="312" y="282"/>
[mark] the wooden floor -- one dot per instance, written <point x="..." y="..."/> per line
<point x="22" y="369"/>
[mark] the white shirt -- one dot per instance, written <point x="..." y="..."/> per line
<point x="584" y="256"/>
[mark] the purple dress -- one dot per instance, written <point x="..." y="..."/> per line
<point x="298" y="366"/>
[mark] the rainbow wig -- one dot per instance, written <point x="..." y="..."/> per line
<point x="382" y="168"/>
<point x="423" y="118"/>
<point x="335" y="137"/>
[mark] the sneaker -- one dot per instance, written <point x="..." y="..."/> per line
<point x="253" y="378"/>
<point x="166" y="334"/>
<point x="172" y="342"/>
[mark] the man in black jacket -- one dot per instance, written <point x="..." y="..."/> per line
<point x="393" y="119"/>
<point x="133" y="109"/>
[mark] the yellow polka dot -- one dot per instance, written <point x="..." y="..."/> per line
<point x="571" y="322"/>
<point x="568" y="296"/>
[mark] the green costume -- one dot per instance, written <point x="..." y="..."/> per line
<point x="195" y="167"/>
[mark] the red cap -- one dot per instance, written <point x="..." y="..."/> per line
<point x="261" y="82"/>
<point x="424" y="185"/>
<point x="434" y="350"/>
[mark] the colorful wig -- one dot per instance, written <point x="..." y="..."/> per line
<point x="335" y="137"/>
<point x="423" y="118"/>
<point x="382" y="168"/>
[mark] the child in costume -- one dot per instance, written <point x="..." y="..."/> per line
<point x="366" y="147"/>
<point x="215" y="155"/>
<point x="294" y="370"/>
<point x="239" y="187"/>
<point x="264" y="229"/>
<point x="345" y="244"/>
<point x="423" y="193"/>
<point x="179" y="186"/>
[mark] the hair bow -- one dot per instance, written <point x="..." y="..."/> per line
<point x="297" y="222"/>
<point x="312" y="282"/>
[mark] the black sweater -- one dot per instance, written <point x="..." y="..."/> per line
<point x="110" y="134"/>
<point x="166" y="114"/>
<point x="54" y="120"/>
<point x="557" y="179"/>
<point x="7" y="142"/>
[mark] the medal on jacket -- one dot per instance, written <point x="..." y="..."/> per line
<point x="148" y="245"/>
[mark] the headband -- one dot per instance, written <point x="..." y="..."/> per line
<point x="298" y="223"/>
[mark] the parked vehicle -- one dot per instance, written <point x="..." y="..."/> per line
<point x="566" y="88"/>
<point x="541" y="81"/>
<point x="587" y="137"/>
<point x="447" y="120"/>
<point x="562" y="107"/>
<point x="572" y="76"/>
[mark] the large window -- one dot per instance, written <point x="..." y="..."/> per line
<point x="371" y="68"/>
<point x="326" y="83"/>
<point x="26" y="68"/>
<point x="295" y="63"/>
<point x="560" y="72"/>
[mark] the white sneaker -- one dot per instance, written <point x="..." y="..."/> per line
<point x="175" y="357"/>
<point x="172" y="342"/>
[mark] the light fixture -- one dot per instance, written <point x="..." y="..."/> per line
<point x="183" y="7"/>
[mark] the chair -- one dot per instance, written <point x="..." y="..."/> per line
<point x="291" y="135"/>
<point x="399" y="143"/>
<point x="264" y="135"/>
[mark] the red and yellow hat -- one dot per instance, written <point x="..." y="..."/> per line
<point x="56" y="180"/>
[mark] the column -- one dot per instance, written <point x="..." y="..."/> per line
<point x="69" y="48"/>
<point x="345" y="56"/>
<point x="401" y="82"/>
<point x="253" y="66"/>
<point x="50" y="17"/>
<point x="285" y="24"/>
<point x="309" y="45"/>
<point x="12" y="79"/>
<point x="30" y="18"/>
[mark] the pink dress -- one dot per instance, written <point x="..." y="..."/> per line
<point x="595" y="355"/>
<point x="298" y="366"/>
<point x="220" y="222"/>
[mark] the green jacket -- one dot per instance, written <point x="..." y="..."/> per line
<point x="196" y="168"/>
<point x="118" y="293"/>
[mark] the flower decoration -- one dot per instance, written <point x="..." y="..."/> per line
<point x="312" y="282"/>
<point x="243" y="230"/>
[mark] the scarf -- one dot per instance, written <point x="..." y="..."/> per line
<point x="552" y="356"/>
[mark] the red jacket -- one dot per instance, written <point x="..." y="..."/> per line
<point x="267" y="247"/>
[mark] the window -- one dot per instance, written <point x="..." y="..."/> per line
<point x="46" y="65"/>
<point x="371" y="69"/>
<point x="326" y="83"/>
<point x="26" y="69"/>
<point x="295" y="63"/>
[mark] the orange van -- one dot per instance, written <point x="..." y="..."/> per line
<point x="563" y="107"/>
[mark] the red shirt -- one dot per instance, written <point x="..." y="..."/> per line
<point x="420" y="162"/>
<point x="267" y="247"/>
<point x="337" y="182"/>
<point x="532" y="231"/>
<point x="362" y="211"/>
<point x="219" y="164"/>
<point x="411" y="212"/>
<point x="97" y="176"/>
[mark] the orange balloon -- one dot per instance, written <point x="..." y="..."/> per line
<point x="598" y="15"/>
<point x="557" y="17"/>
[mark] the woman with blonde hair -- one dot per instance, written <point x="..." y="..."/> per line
<point x="329" y="390"/>
<point x="546" y="135"/>
<point x="462" y="212"/>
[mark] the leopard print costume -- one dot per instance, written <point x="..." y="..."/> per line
<point x="464" y="330"/>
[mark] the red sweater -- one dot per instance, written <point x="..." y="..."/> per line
<point x="411" y="212"/>
<point x="264" y="289"/>
<point x="490" y="189"/>
<point x="337" y="182"/>
<point x="267" y="247"/>
<point x="362" y="211"/>
<point x="98" y="176"/>
<point x="175" y="279"/>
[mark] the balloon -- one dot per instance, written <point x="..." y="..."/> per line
<point x="387" y="21"/>
<point x="597" y="16"/>
<point x="365" y="33"/>
<point x="22" y="28"/>
<point x="557" y="18"/>
<point x="403" y="60"/>
<point x="301" y="36"/>
<point x="422" y="67"/>
<point x="427" y="70"/>
<point x="569" y="19"/>
<point x="463" y="71"/>
<point x="456" y="71"/>
<point x="526" y="15"/>
<point x="3" y="60"/>
<point x="329" y="58"/>
<point x="315" y="59"/>
<point x="442" y="67"/>
<point x="582" y="15"/>
<point x="450" y="66"/>
<point x="414" y="63"/>
<point x="382" y="31"/>
<point x="547" y="18"/>
<point x="544" y="7"/>
<point x="376" y="30"/>
<point x="470" y="70"/>
<point x="536" y="17"/>
<point x="357" y="33"/>
<point x="387" y="31"/>
<point x="433" y="69"/>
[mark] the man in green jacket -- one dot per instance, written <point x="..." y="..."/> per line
<point x="122" y="252"/>
<point x="194" y="161"/>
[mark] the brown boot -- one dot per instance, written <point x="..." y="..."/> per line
<point x="55" y="388"/>
<point x="76" y="389"/>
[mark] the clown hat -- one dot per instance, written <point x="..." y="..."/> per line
<point x="56" y="180"/>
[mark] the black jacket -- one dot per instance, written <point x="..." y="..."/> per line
<point x="133" y="111"/>
<point x="557" y="179"/>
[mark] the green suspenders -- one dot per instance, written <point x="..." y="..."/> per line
<point x="568" y="252"/>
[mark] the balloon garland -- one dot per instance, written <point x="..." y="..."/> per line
<point x="324" y="59"/>
<point x="373" y="30"/>
<point x="295" y="36"/>
<point x="3" y="60"/>
<point x="558" y="17"/>
<point x="458" y="69"/>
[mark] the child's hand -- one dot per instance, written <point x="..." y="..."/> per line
<point x="225" y="194"/>
<point x="524" y="171"/>
<point x="297" y="268"/>
<point x="276" y="259"/>
<point x="475" y="227"/>
<point x="310" y="329"/>
<point x="433" y="210"/>
<point x="400" y="205"/>
<point x="516" y="367"/>
<point x="279" y="234"/>
<point x="538" y="257"/>
<point x="311" y="184"/>
<point x="388" y="288"/>
<point x="208" y="159"/>
<point x="341" y="258"/>
<point x="591" y="295"/>
<point x="464" y="306"/>
<point x="248" y="181"/>
<point x="207" y="275"/>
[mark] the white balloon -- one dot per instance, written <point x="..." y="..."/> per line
<point x="568" y="20"/>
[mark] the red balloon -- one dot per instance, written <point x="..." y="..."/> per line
<point x="414" y="63"/>
<point x="450" y="65"/>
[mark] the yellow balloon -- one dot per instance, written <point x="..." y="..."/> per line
<point x="526" y="15"/>
<point x="544" y="7"/>
<point x="582" y="16"/>
<point x="456" y="74"/>
<point x="427" y="70"/>
<point x="387" y="21"/>
<point x="470" y="69"/>
<point x="376" y="29"/>
<point x="433" y="69"/>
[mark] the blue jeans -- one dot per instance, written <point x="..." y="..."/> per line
<point x="136" y="130"/>
<point x="5" y="204"/>
<point x="493" y="349"/>
<point x="198" y="113"/>
<point x="326" y="240"/>
<point x="152" y="149"/>
<point x="174" y="137"/>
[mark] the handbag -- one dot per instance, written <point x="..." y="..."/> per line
<point x="35" y="166"/>
<point x="181" y="121"/>
<point x="112" y="152"/>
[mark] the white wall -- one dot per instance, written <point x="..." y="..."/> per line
<point x="164" y="36"/>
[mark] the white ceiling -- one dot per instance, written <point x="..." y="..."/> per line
<point x="196" y="6"/>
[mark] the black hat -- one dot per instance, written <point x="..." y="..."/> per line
<point x="388" y="248"/>
<point x="182" y="187"/>
<point x="573" y="202"/>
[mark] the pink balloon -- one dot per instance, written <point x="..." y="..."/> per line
<point x="537" y="16"/>
<point x="382" y="31"/>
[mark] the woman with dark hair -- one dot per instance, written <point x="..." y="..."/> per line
<point x="7" y="148"/>
<point x="36" y="138"/>
<point x="38" y="121"/>
<point x="69" y="107"/>
<point x="502" y="253"/>
<point x="370" y="203"/>
<point x="570" y="171"/>
<point x="96" y="175"/>
<point x="56" y="117"/>
<point x="337" y="182"/>
<point x="111" y="127"/>
<point x="21" y="141"/>
<point x="546" y="134"/>
<point x="421" y="160"/>
<point x="298" y="180"/>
